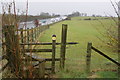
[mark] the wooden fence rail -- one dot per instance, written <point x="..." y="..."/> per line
<point x="104" y="55"/>
<point x="46" y="43"/>
<point x="38" y="50"/>
<point x="67" y="43"/>
<point x="88" y="57"/>
<point x="30" y="35"/>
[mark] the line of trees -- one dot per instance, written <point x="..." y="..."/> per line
<point x="76" y="13"/>
<point x="42" y="15"/>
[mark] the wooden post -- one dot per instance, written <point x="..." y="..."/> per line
<point x="41" y="69"/>
<point x="35" y="33"/>
<point x="12" y="49"/>
<point x="23" y="49"/>
<point x="63" y="46"/>
<point x="32" y="35"/>
<point x="22" y="39"/>
<point x="28" y="36"/>
<point x="88" y="58"/>
<point x="21" y="34"/>
<point x="53" y="52"/>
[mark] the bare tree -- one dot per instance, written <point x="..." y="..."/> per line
<point x="112" y="31"/>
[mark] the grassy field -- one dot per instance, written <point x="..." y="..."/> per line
<point x="82" y="31"/>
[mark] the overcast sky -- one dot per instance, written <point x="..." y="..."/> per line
<point x="100" y="7"/>
<point x="62" y="0"/>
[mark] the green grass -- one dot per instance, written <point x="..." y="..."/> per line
<point x="107" y="74"/>
<point x="80" y="31"/>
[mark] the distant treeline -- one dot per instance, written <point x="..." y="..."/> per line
<point x="42" y="15"/>
<point x="96" y="18"/>
<point x="76" y="13"/>
<point x="22" y="18"/>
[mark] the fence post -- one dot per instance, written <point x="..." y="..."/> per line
<point x="32" y="35"/>
<point x="12" y="49"/>
<point x="35" y="33"/>
<point x="63" y="46"/>
<point x="21" y="34"/>
<point x="22" y="39"/>
<point x="28" y="36"/>
<point x="53" y="52"/>
<point x="88" y="58"/>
